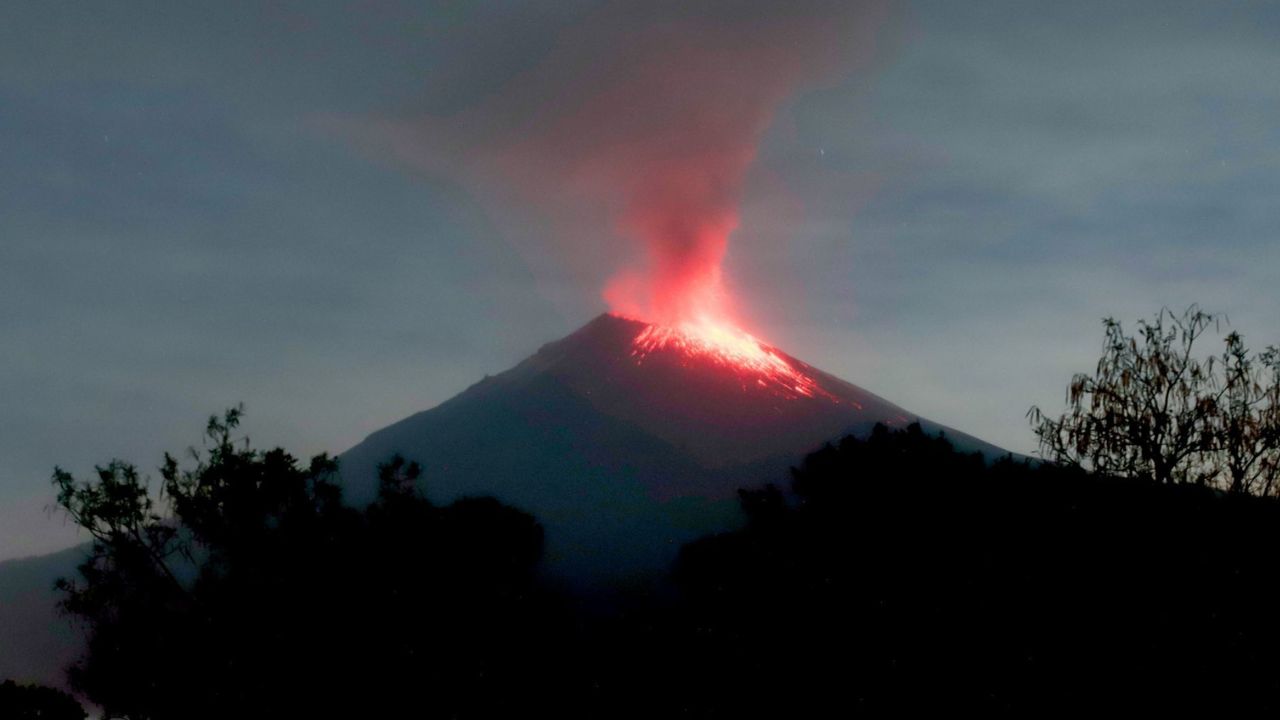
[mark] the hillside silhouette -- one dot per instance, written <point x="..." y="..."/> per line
<point x="623" y="458"/>
<point x="891" y="574"/>
<point x="263" y="595"/>
<point x="910" y="576"/>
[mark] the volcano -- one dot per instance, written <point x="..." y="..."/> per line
<point x="625" y="439"/>
<point x="628" y="439"/>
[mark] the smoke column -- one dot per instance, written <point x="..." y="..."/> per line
<point x="649" y="113"/>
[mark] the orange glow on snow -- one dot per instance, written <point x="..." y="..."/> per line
<point x="731" y="347"/>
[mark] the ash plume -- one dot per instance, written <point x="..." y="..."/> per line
<point x="632" y="137"/>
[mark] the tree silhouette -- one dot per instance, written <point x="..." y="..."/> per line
<point x="1245" y="425"/>
<point x="34" y="702"/>
<point x="905" y="576"/>
<point x="245" y="587"/>
<point x="897" y="575"/>
<point x="1154" y="410"/>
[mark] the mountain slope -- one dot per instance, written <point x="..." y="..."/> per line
<point x="37" y="642"/>
<point x="623" y="445"/>
<point x="626" y="448"/>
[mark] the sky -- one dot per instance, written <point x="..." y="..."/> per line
<point x="281" y="205"/>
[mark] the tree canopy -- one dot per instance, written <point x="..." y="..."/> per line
<point x="1155" y="409"/>
<point x="905" y="576"/>
<point x="35" y="702"/>
<point x="243" y="583"/>
<point x="893" y="574"/>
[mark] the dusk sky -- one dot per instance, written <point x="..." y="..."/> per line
<point x="218" y="203"/>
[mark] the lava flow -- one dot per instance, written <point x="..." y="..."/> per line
<point x="728" y="346"/>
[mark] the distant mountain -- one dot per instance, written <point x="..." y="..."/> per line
<point x="628" y="439"/>
<point x="36" y="641"/>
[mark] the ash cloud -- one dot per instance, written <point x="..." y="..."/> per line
<point x="629" y="142"/>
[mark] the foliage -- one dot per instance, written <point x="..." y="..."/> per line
<point x="34" y="702"/>
<point x="906" y="576"/>
<point x="245" y="586"/>
<point x="1245" y="427"/>
<point x="894" y="575"/>
<point x="1155" y="410"/>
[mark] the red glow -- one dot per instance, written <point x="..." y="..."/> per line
<point x="632" y="141"/>
<point x="673" y="172"/>
<point x="729" y="346"/>
<point x="629" y="145"/>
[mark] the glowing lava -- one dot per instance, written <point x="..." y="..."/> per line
<point x="730" y="347"/>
